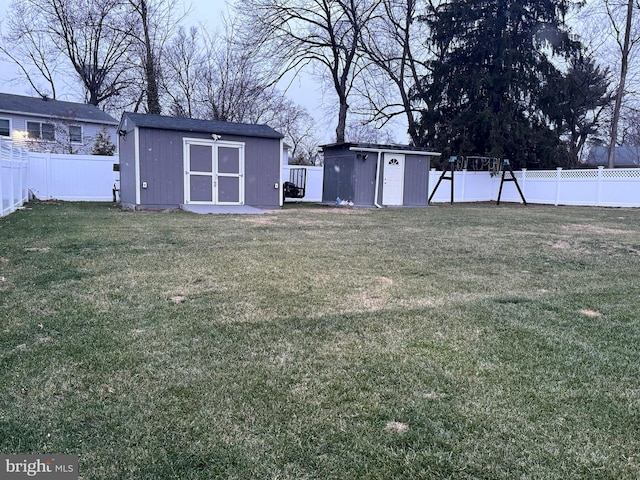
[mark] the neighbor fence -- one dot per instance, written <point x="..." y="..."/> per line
<point x="589" y="187"/>
<point x="313" y="189"/>
<point x="72" y="177"/>
<point x="14" y="177"/>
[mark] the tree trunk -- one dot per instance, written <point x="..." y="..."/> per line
<point x="342" y="121"/>
<point x="623" y="77"/>
<point x="153" y="97"/>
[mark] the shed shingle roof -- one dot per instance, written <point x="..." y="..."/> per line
<point x="203" y="126"/>
<point x="37" y="106"/>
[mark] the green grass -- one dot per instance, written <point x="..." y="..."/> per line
<point x="504" y="340"/>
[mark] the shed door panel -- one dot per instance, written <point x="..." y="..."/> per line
<point x="393" y="179"/>
<point x="214" y="172"/>
<point x="230" y="175"/>
<point x="201" y="188"/>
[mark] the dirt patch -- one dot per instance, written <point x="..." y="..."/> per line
<point x="562" y="245"/>
<point x="591" y="313"/>
<point x="396" y="427"/>
<point x="260" y="220"/>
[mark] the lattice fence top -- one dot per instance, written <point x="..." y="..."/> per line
<point x="541" y="174"/>
<point x="578" y="174"/>
<point x="622" y="173"/>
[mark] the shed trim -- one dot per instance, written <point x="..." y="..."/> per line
<point x="136" y="161"/>
<point x="395" y="152"/>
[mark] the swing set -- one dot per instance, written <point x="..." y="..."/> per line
<point x="493" y="165"/>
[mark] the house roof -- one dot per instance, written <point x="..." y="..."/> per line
<point x="387" y="148"/>
<point x="201" y="126"/>
<point x="49" y="108"/>
<point x="628" y="156"/>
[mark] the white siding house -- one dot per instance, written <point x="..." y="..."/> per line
<point x="46" y="125"/>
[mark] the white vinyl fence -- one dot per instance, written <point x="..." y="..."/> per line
<point x="72" y="177"/>
<point x="14" y="177"/>
<point x="589" y="187"/>
<point x="313" y="189"/>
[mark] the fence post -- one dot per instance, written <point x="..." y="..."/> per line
<point x="12" y="193"/>
<point x="524" y="182"/>
<point x="464" y="184"/>
<point x="1" y="192"/>
<point x="599" y="188"/>
<point x="558" y="183"/>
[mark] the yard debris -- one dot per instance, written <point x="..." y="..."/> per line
<point x="434" y="396"/>
<point x="385" y="280"/>
<point x="38" y="249"/>
<point x="178" y="299"/>
<point x="591" y="313"/>
<point x="3" y="279"/>
<point x="397" y="427"/>
<point x="4" y="260"/>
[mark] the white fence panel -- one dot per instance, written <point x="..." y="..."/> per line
<point x="72" y="177"/>
<point x="14" y="189"/>
<point x="313" y="189"/>
<point x="589" y="187"/>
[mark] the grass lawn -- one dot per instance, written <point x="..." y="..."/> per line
<point x="471" y="341"/>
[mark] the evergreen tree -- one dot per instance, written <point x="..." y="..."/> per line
<point x="484" y="88"/>
<point x="103" y="144"/>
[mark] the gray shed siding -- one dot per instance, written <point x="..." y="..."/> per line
<point x="416" y="180"/>
<point x="161" y="166"/>
<point x="262" y="171"/>
<point x="127" y="149"/>
<point x="339" y="176"/>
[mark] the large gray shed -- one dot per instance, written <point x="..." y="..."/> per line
<point x="169" y="162"/>
<point x="380" y="175"/>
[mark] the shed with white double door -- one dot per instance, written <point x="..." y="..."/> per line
<point x="169" y="162"/>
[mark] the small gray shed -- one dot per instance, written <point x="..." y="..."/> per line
<point x="376" y="175"/>
<point x="168" y="162"/>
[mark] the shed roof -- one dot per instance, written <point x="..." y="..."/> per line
<point x="202" y="126"/>
<point x="626" y="156"/>
<point x="383" y="148"/>
<point x="49" y="108"/>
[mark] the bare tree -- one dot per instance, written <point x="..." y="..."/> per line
<point x="93" y="36"/>
<point x="626" y="41"/>
<point x="394" y="44"/>
<point x="183" y="60"/>
<point x="325" y="33"/>
<point x="157" y="21"/>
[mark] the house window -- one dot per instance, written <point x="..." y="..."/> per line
<point x="75" y="134"/>
<point x="5" y="127"/>
<point x="41" y="131"/>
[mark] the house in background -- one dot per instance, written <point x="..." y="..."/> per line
<point x="46" y="125"/>
<point x="173" y="162"/>
<point x="380" y="175"/>
<point x="626" y="157"/>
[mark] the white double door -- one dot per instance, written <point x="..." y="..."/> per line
<point x="214" y="172"/>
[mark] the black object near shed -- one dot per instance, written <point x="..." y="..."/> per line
<point x="376" y="175"/>
<point x="170" y="162"/>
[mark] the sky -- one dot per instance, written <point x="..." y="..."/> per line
<point x="208" y="13"/>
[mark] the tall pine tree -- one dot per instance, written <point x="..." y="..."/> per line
<point x="484" y="89"/>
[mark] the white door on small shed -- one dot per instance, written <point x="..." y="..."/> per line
<point x="214" y="172"/>
<point x="393" y="179"/>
